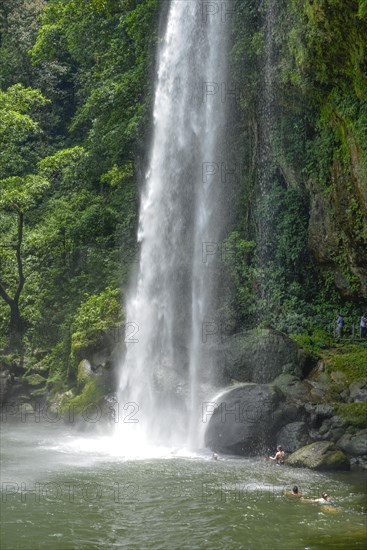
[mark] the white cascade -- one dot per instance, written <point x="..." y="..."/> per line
<point x="180" y="211"/>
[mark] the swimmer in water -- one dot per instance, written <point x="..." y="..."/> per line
<point x="324" y="499"/>
<point x="294" y="493"/>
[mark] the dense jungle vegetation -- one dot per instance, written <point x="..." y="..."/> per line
<point x="77" y="81"/>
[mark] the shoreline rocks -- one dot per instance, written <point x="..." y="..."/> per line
<point x="319" y="455"/>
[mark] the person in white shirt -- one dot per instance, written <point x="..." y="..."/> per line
<point x="363" y="325"/>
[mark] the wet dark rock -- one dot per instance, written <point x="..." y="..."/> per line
<point x="335" y="434"/>
<point x="324" y="410"/>
<point x="293" y="388"/>
<point x="328" y="215"/>
<point x="325" y="427"/>
<point x="359" y="463"/>
<point x="338" y="422"/>
<point x="293" y="436"/>
<point x="247" y="419"/>
<point x="354" y="444"/>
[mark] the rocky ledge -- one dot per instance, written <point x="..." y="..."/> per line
<point x="309" y="407"/>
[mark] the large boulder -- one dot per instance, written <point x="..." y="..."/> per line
<point x="246" y="419"/>
<point x="295" y="390"/>
<point x="260" y="355"/>
<point x="354" y="444"/>
<point x="293" y="436"/>
<point x="320" y="455"/>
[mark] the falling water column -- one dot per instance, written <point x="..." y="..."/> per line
<point x="179" y="211"/>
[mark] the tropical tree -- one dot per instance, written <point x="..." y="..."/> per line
<point x="21" y="187"/>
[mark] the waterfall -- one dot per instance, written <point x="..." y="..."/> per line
<point x="266" y="176"/>
<point x="181" y="220"/>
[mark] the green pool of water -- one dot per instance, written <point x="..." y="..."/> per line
<point x="59" y="491"/>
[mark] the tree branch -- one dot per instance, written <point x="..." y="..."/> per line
<point x="19" y="257"/>
<point x="5" y="296"/>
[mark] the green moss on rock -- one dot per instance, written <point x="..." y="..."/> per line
<point x="351" y="360"/>
<point x="91" y="393"/>
<point x="354" y="414"/>
<point x="320" y="455"/>
<point x="35" y="379"/>
<point x="84" y="372"/>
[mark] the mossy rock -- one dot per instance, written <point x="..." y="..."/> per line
<point x="39" y="392"/>
<point x="320" y="455"/>
<point x="91" y="394"/>
<point x="35" y="379"/>
<point x="262" y="355"/>
<point x="354" y="414"/>
<point x="84" y="372"/>
<point x="350" y="360"/>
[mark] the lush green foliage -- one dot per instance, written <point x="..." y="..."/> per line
<point x="308" y="147"/>
<point x="90" y="395"/>
<point x="76" y="82"/>
<point x="96" y="316"/>
<point x="315" y="341"/>
<point x="351" y="360"/>
<point x="355" y="414"/>
<point x="73" y="107"/>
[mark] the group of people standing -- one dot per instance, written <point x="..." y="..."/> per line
<point x="340" y="326"/>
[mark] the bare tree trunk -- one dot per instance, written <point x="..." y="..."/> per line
<point x="16" y="325"/>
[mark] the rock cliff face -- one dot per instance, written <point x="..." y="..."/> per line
<point x="337" y="237"/>
<point x="337" y="224"/>
<point x="309" y="104"/>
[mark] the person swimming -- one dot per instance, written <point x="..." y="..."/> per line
<point x="324" y="499"/>
<point x="294" y="493"/>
